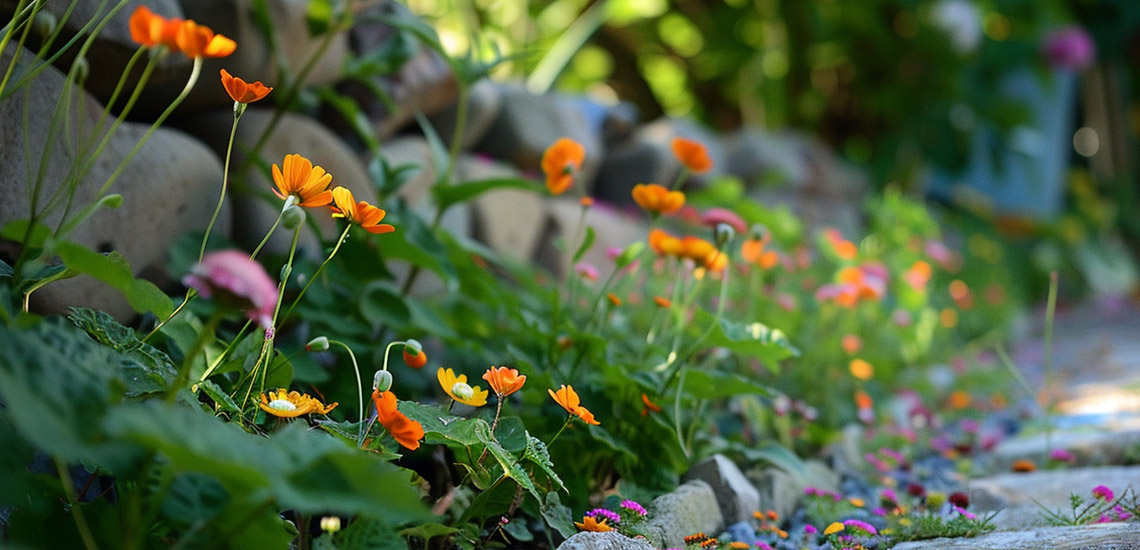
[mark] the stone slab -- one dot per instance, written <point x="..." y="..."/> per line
<point x="604" y="541"/>
<point x="1108" y="536"/>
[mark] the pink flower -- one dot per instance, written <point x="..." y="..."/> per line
<point x="863" y="526"/>
<point x="1069" y="48"/>
<point x="1061" y="455"/>
<point x="810" y="529"/>
<point x="713" y="216"/>
<point x="234" y="280"/>
<point x="586" y="271"/>
<point x="1103" y="493"/>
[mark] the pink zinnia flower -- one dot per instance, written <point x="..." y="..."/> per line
<point x="810" y="529"/>
<point x="1103" y="493"/>
<point x="863" y="526"/>
<point x="586" y="271"/>
<point x="1061" y="455"/>
<point x="1069" y="48"/>
<point x="229" y="276"/>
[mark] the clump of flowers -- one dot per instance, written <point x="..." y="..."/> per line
<point x="1105" y="506"/>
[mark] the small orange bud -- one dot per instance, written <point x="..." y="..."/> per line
<point x="414" y="358"/>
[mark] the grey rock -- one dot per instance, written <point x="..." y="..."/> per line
<point x="510" y="221"/>
<point x="169" y="188"/>
<point x="109" y="53"/>
<point x="529" y="123"/>
<point x="689" y="509"/>
<point x="612" y="229"/>
<point x="737" y="497"/>
<point x="1088" y="446"/>
<point x="604" y="541"/>
<point x="484" y="103"/>
<point x="1108" y="536"/>
<point x="781" y="490"/>
<point x="1017" y="495"/>
<point x="647" y="157"/>
<point x="294" y="134"/>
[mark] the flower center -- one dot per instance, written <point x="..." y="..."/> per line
<point x="282" y="405"/>
<point x="462" y="390"/>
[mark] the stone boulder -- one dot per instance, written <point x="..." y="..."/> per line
<point x="647" y="157"/>
<point x="689" y="509"/>
<point x="1088" y="446"/>
<point x="169" y="188"/>
<point x="737" y="497"/>
<point x="612" y="229"/>
<point x="781" y="491"/>
<point x="1107" y="536"/>
<point x="1017" y="496"/>
<point x="609" y="540"/>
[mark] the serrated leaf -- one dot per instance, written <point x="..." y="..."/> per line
<point x="223" y="399"/>
<point x="507" y="461"/>
<point x="511" y="434"/>
<point x="114" y="270"/>
<point x="587" y="242"/>
<point x="144" y="368"/>
<point x="755" y="340"/>
<point x="537" y="453"/>
<point x="447" y="196"/>
<point x="367" y="533"/>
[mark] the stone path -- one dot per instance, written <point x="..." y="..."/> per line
<point x="1109" y="536"/>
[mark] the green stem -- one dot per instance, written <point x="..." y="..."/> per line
<point x="10" y="29"/>
<point x="359" y="385"/>
<point x="288" y="202"/>
<point x="317" y="273"/>
<point x="677" y="414"/>
<point x="223" y="356"/>
<point x="1050" y="315"/>
<point x="204" y="337"/>
<point x="569" y="419"/>
<point x="266" y="354"/>
<point x="76" y="509"/>
<point x="222" y="195"/>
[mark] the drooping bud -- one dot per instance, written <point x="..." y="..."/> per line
<point x="414" y="355"/>
<point x="382" y="381"/>
<point x="82" y="69"/>
<point x="44" y="24"/>
<point x="292" y="217"/>
<point x="320" y="343"/>
<point x="724" y="234"/>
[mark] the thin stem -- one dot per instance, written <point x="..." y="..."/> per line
<point x="677" y="414"/>
<point x="23" y="37"/>
<point x="317" y="273"/>
<point x="223" y="356"/>
<point x="222" y="195"/>
<point x="1050" y="315"/>
<point x="266" y="354"/>
<point x="272" y="228"/>
<point x="494" y="424"/>
<point x="457" y="133"/>
<point x="76" y="510"/>
<point x="569" y="419"/>
<point x="204" y="338"/>
<point x="359" y="385"/>
<point x="190" y="294"/>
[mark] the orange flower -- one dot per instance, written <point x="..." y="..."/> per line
<point x="692" y="154"/>
<point x="414" y="358"/>
<point x="665" y="244"/>
<point x="196" y="40"/>
<point x="590" y="523"/>
<point x="568" y="399"/>
<point x="657" y="198"/>
<point x="305" y="182"/>
<point x="242" y="91"/>
<point x="504" y="381"/>
<point x="613" y="299"/>
<point x="147" y="27"/>
<point x="586" y="202"/>
<point x="361" y="213"/>
<point x="861" y="369"/>
<point x="560" y="162"/>
<point x="959" y="400"/>
<point x="851" y="344"/>
<point x="649" y="405"/>
<point x="752" y="251"/>
<point x="407" y="432"/>
<point x="863" y="400"/>
<point x="1022" y="465"/>
<point x="662" y="301"/>
<point x="846" y="250"/>
<point x="918" y="275"/>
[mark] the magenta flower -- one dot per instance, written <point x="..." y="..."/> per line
<point x="633" y="506"/>
<point x="1069" y="48"/>
<point x="966" y="514"/>
<point x="713" y="216"/>
<point x="1103" y="493"/>
<point x="229" y="277"/>
<point x="862" y="526"/>
<point x="586" y="271"/>
<point x="1061" y="455"/>
<point x="1121" y="515"/>
<point x="810" y="529"/>
<point x="603" y="513"/>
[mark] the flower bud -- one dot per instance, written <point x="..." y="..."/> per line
<point x="320" y="343"/>
<point x="82" y="69"/>
<point x="462" y="390"/>
<point x="414" y="355"/>
<point x="758" y="231"/>
<point x="330" y="524"/>
<point x="286" y="271"/>
<point x="382" y="381"/>
<point x="44" y="24"/>
<point x="724" y="233"/>
<point x="292" y="217"/>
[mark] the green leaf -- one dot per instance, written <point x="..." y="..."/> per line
<point x="630" y="253"/>
<point x="440" y="156"/>
<point x="223" y="399"/>
<point x="511" y="434"/>
<point x="447" y="196"/>
<point x="706" y="384"/>
<point x="352" y="113"/>
<point x="495" y="501"/>
<point x="15" y="230"/>
<point x="415" y="243"/>
<point x="114" y="270"/>
<point x="429" y="531"/>
<point x="507" y="461"/>
<point x="558" y="516"/>
<point x="194" y="497"/>
<point x="753" y="339"/>
<point x="389" y="180"/>
<point x="144" y="368"/>
<point x="537" y="453"/>
<point x="776" y="455"/>
<point x="6" y="271"/>
<point x="367" y="533"/>
<point x="586" y="244"/>
<point x="380" y="304"/>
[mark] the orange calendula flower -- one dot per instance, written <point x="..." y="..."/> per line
<point x="657" y="198"/>
<point x="459" y="390"/>
<point x="196" y="40"/>
<point x="752" y="251"/>
<point x="407" y="432"/>
<point x="361" y="213"/>
<point x="590" y="523"/>
<point x="959" y="400"/>
<point x="292" y="404"/>
<point x="569" y="400"/>
<point x="861" y="369"/>
<point x="414" y="358"/>
<point x="649" y="405"/>
<point x="242" y="91"/>
<point x="586" y="202"/>
<point x="692" y="154"/>
<point x="1022" y="465"/>
<point x="665" y="244"/>
<point x="561" y="162"/>
<point x="504" y="381"/>
<point x="308" y="184"/>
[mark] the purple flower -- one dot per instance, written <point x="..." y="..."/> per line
<point x="1103" y="493"/>
<point x="1121" y="515"/>
<point x="1069" y="48"/>
<point x="966" y="514"/>
<point x="1103" y="519"/>
<point x="603" y="513"/>
<point x="1061" y="455"/>
<point x="229" y="276"/>
<point x="879" y="512"/>
<point x="863" y="526"/>
<point x="634" y="507"/>
<point x="810" y="529"/>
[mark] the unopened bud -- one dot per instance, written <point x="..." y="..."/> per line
<point x="44" y="24"/>
<point x="382" y="381"/>
<point x="82" y="68"/>
<point x="292" y="217"/>
<point x="320" y="343"/>
<point x="330" y="524"/>
<point x="724" y="234"/>
<point x="462" y="391"/>
<point x="286" y="271"/>
<point x="758" y="231"/>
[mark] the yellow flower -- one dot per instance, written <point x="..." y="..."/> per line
<point x="459" y="390"/>
<point x="856" y="502"/>
<point x="861" y="369"/>
<point x="292" y="404"/>
<point x="833" y="528"/>
<point x="361" y="213"/>
<point x="590" y="523"/>
<point x="305" y="182"/>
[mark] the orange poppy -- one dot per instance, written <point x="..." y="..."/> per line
<point x="692" y="154"/>
<point x="504" y="381"/>
<point x="569" y="400"/>
<point x="561" y="162"/>
<point x="863" y="400"/>
<point x="242" y="91"/>
<point x="846" y="250"/>
<point x="147" y="27"/>
<point x="662" y="301"/>
<point x="1023" y="465"/>
<point x="586" y="202"/>
<point x="752" y="251"/>
<point x="196" y="40"/>
<point x="361" y="213"/>
<point x="414" y="358"/>
<point x="657" y="198"/>
<point x="407" y="432"/>
<point x="305" y="182"/>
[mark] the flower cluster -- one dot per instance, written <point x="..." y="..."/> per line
<point x="193" y="40"/>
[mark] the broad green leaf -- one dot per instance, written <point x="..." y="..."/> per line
<point x="776" y="455"/>
<point x="586" y="244"/>
<point x="557" y="515"/>
<point x="414" y="242"/>
<point x="507" y="461"/>
<point x="756" y="339"/>
<point x="537" y="453"/>
<point x="223" y="399"/>
<point x="113" y="269"/>
<point x="16" y="230"/>
<point x="380" y="304"/>
<point x="194" y="497"/>
<point x="366" y="533"/>
<point x="428" y="531"/>
<point x="144" y="368"/>
<point x="441" y="426"/>
<point x="447" y="196"/>
<point x="705" y="384"/>
<point x="493" y="502"/>
<point x="511" y="434"/>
